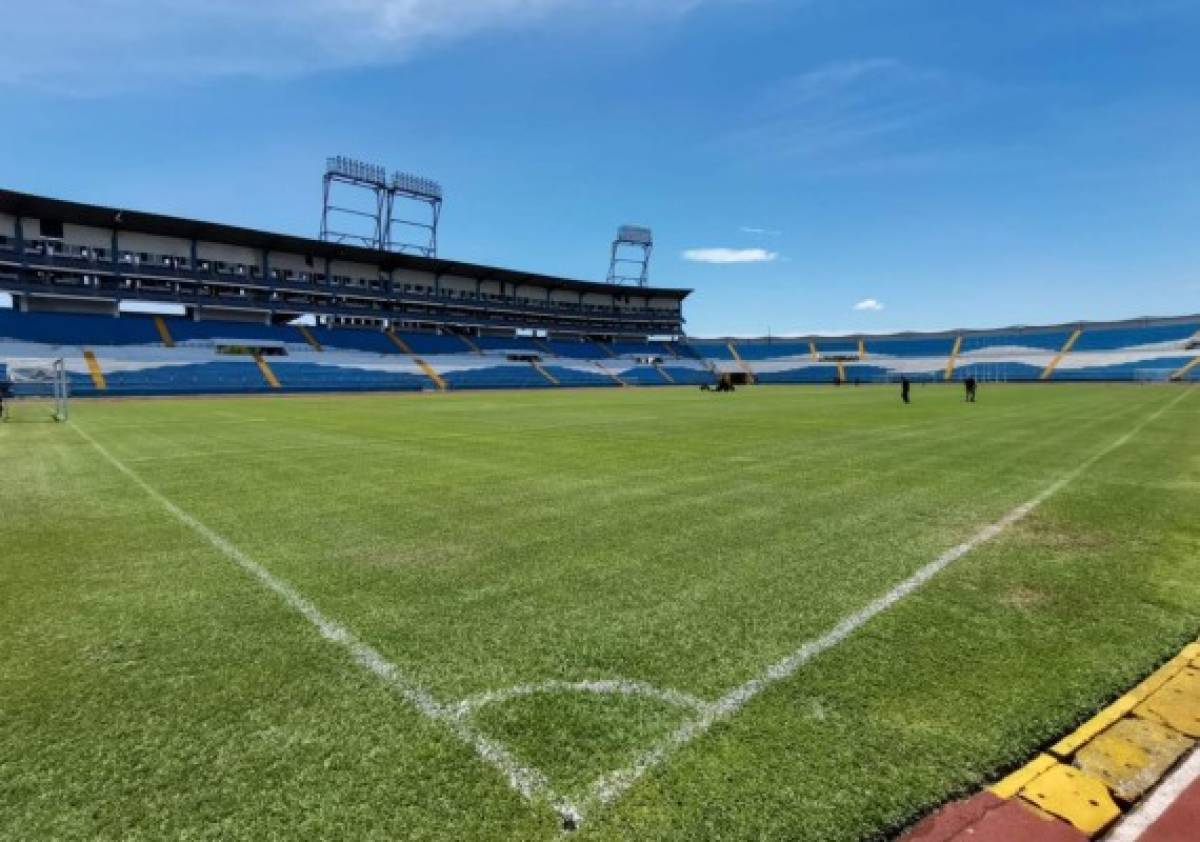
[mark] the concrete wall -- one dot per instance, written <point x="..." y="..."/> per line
<point x="222" y="253"/>
<point x="83" y="235"/>
<point x="294" y="262"/>
<point x="151" y="244"/>
<point x="357" y="271"/>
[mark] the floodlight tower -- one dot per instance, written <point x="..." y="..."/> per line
<point x="414" y="204"/>
<point x="630" y="260"/>
<point x="345" y="175"/>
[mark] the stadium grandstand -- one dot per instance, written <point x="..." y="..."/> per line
<point x="246" y="311"/>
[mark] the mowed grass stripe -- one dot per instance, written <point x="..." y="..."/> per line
<point x="526" y="565"/>
<point x="639" y="590"/>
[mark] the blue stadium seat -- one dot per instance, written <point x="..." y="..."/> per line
<point x="576" y="349"/>
<point x="77" y="329"/>
<point x="1112" y="339"/>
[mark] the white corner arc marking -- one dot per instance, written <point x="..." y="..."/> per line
<point x="611" y="787"/>
<point x="531" y="783"/>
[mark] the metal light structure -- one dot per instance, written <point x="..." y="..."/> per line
<point x="414" y="205"/>
<point x="630" y="260"/>
<point x="362" y="225"/>
<point x="410" y="204"/>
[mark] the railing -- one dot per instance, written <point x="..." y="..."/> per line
<point x="116" y="287"/>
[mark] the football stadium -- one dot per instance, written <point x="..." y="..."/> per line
<point x="667" y="421"/>
<point x="346" y="541"/>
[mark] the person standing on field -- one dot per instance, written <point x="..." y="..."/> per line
<point x="970" y="385"/>
<point x="905" y="387"/>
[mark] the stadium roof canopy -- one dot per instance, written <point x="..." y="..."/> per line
<point x="39" y="207"/>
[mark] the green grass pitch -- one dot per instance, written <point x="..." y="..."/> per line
<point x="493" y="551"/>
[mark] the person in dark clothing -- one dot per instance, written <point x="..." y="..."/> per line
<point x="970" y="385"/>
<point x="5" y="394"/>
<point x="905" y="387"/>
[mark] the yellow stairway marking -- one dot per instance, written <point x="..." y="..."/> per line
<point x="603" y="346"/>
<point x="953" y="361"/>
<point x="1132" y="755"/>
<point x="608" y="373"/>
<point x="1183" y="372"/>
<point x="812" y="349"/>
<point x="1070" y="794"/>
<point x="658" y="367"/>
<point x="309" y="338"/>
<point x="469" y="343"/>
<point x="738" y="357"/>
<point x="431" y="374"/>
<point x="862" y="349"/>
<point x="164" y="334"/>
<point x="538" y="367"/>
<point x="1124" y="705"/>
<point x="1066" y="349"/>
<point x="94" y="369"/>
<point x="398" y="342"/>
<point x="841" y="372"/>
<point x="546" y="349"/>
<point x="267" y="374"/>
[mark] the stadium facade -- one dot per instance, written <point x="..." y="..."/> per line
<point x="380" y="320"/>
<point x="66" y="256"/>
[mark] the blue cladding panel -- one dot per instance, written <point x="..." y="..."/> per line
<point x="1127" y="337"/>
<point x="1159" y="369"/>
<point x="643" y="375"/>
<point x="711" y="350"/>
<point x="75" y="329"/>
<point x="837" y="346"/>
<point x="998" y="371"/>
<point x="807" y="374"/>
<point x="574" y="377"/>
<point x="576" y="350"/>
<point x="433" y="343"/>
<point x="772" y="350"/>
<point x="497" y="377"/>
<point x="371" y="341"/>
<point x="520" y="344"/>
<point x="183" y="330"/>
<point x="1047" y="341"/>
<point x="939" y="347"/>
<point x="314" y="376"/>
<point x="688" y="376"/>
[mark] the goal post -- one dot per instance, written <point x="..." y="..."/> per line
<point x="35" y="390"/>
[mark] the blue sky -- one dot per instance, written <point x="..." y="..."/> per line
<point x="956" y="163"/>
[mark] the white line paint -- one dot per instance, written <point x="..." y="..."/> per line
<point x="614" y="687"/>
<point x="1137" y="822"/>
<point x="611" y="787"/>
<point x="529" y="782"/>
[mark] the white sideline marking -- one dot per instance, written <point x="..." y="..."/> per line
<point x="621" y="687"/>
<point x="611" y="787"/>
<point x="1135" y="823"/>
<point x="531" y="783"/>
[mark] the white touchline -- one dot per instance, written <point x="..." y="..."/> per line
<point x="611" y="787"/>
<point x="1151" y="810"/>
<point x="531" y="783"/>
<point x="525" y="780"/>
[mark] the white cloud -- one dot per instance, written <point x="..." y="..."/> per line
<point x="726" y="255"/>
<point x="846" y="112"/>
<point x="760" y="232"/>
<point x="869" y="305"/>
<point x="88" y="47"/>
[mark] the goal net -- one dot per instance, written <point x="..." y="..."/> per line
<point x="35" y="390"/>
